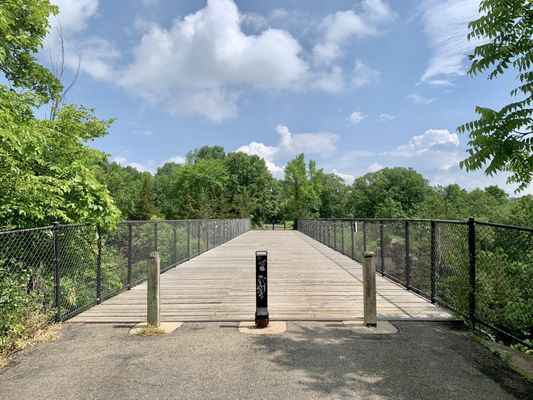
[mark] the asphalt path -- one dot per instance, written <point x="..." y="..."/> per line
<point x="312" y="360"/>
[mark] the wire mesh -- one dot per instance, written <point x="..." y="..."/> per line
<point x="392" y="244"/>
<point x="504" y="279"/>
<point x="64" y="269"/>
<point x="78" y="252"/>
<point x="481" y="271"/>
<point x="26" y="275"/>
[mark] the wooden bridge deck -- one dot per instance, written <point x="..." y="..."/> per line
<point x="307" y="281"/>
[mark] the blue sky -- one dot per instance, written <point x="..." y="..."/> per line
<point x="356" y="85"/>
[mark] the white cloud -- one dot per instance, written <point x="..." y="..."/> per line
<point x="347" y="178"/>
<point x="204" y="63"/>
<point x="375" y="167"/>
<point x="94" y="55"/>
<point x="259" y="149"/>
<point x="149" y="166"/>
<point x="290" y="144"/>
<point x="356" y="117"/>
<point x="340" y="27"/>
<point x="418" y="99"/>
<point x="446" y="25"/>
<point x="433" y="139"/>
<point x="435" y="149"/>
<point x="176" y="160"/>
<point x="206" y="56"/>
<point x="73" y="15"/>
<point x="363" y="74"/>
<point x="386" y="117"/>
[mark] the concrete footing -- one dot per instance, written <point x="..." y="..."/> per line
<point x="273" y="328"/>
<point x="166" y="327"/>
<point x="382" y="328"/>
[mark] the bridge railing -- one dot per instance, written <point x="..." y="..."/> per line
<point x="65" y="269"/>
<point x="481" y="271"/>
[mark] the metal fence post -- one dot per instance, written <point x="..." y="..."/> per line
<point x="364" y="236"/>
<point x="342" y="236"/>
<point x="99" y="265"/>
<point x="207" y="228"/>
<point x="381" y="246"/>
<point x="352" y="229"/>
<point x="155" y="236"/>
<point x="175" y="245"/>
<point x="130" y="255"/>
<point x="57" y="280"/>
<point x="407" y="257"/>
<point x="472" y="270"/>
<point x="335" y="235"/>
<point x="199" y="234"/>
<point x="433" y="261"/>
<point x="188" y="239"/>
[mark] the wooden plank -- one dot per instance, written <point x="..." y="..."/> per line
<point x="307" y="280"/>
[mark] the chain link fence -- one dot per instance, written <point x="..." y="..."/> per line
<point x="482" y="272"/>
<point x="66" y="269"/>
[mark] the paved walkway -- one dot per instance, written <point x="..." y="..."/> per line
<point x="307" y="281"/>
<point x="312" y="360"/>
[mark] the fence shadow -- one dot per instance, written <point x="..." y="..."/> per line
<point x="424" y="360"/>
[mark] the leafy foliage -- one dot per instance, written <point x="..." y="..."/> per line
<point x="301" y="189"/>
<point x="390" y="192"/>
<point x="47" y="173"/>
<point x="23" y="25"/>
<point x="503" y="138"/>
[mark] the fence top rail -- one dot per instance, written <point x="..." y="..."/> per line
<point x="441" y="221"/>
<point x="14" y="231"/>
<point x="69" y="226"/>
<point x="519" y="228"/>
<point x="180" y="220"/>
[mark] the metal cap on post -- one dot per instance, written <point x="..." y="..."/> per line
<point x="261" y="290"/>
<point x="153" y="289"/>
<point x="369" y="289"/>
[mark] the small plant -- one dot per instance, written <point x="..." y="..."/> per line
<point x="150" y="330"/>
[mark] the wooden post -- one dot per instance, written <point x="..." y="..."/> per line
<point x="369" y="289"/>
<point x="153" y="299"/>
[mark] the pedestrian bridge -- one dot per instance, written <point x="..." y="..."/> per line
<point x="307" y="281"/>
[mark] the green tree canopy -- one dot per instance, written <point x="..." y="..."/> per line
<point x="205" y="153"/>
<point x="47" y="173"/>
<point x="124" y="185"/>
<point x="333" y="197"/>
<point x="198" y="190"/>
<point x="501" y="140"/>
<point x="301" y="189"/>
<point x="23" y="26"/>
<point x="145" y="207"/>
<point x="390" y="192"/>
<point x="249" y="185"/>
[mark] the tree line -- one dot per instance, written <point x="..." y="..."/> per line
<point x="214" y="184"/>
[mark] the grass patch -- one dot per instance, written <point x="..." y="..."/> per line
<point x="149" y="330"/>
<point x="37" y="330"/>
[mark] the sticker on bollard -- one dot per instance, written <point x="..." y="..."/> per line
<point x="261" y="290"/>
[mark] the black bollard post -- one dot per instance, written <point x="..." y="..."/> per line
<point x="261" y="290"/>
